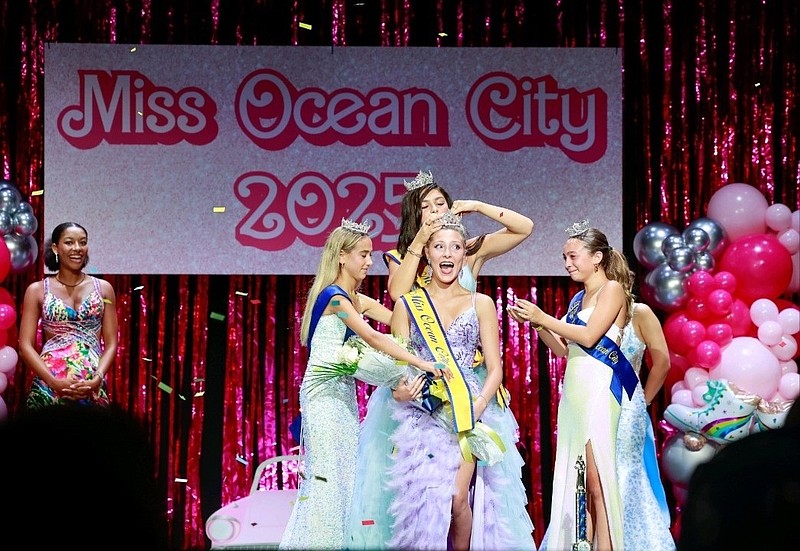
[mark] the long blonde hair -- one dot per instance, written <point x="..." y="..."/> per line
<point x="341" y="240"/>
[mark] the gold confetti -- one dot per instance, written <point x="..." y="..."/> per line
<point x="218" y="209"/>
<point x="133" y="49"/>
<point x="107" y="301"/>
<point x="241" y="293"/>
<point x="37" y="192"/>
<point x="442" y="35"/>
<point x="305" y="26"/>
<point x="199" y="394"/>
<point x="184" y="480"/>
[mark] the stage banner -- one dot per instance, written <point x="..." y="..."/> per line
<point x="242" y="159"/>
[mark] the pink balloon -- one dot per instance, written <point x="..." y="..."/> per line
<point x="8" y="316"/>
<point x="720" y="302"/>
<point x="8" y="360"/>
<point x="3" y="382"/>
<point x="3" y="410"/>
<point x="697" y="309"/>
<point x="778" y="217"/>
<point x="683" y="397"/>
<point x="739" y="318"/>
<point x="725" y="280"/>
<point x="790" y="239"/>
<point x="707" y="354"/>
<point x="680" y="385"/>
<point x="697" y="395"/>
<point x="749" y="365"/>
<point x="673" y="326"/>
<point x="720" y="333"/>
<point x="740" y="209"/>
<point x="785" y="349"/>
<point x="790" y="386"/>
<point x="692" y="333"/>
<point x="789" y="318"/>
<point x="795" y="224"/>
<point x="695" y="376"/>
<point x="700" y="283"/>
<point x="761" y="265"/>
<point x="770" y="333"/>
<point x="788" y="366"/>
<point x="763" y="310"/>
<point x="794" y="282"/>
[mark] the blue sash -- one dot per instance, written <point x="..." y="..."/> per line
<point x="319" y="306"/>
<point x="606" y="351"/>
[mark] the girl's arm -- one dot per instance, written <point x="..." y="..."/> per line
<point x="517" y="228"/>
<point x="402" y="276"/>
<point x="374" y="310"/>
<point x="110" y="335"/>
<point x="28" y="327"/>
<point x="490" y="345"/>
<point x="649" y="329"/>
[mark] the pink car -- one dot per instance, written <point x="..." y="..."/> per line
<point x="256" y="521"/>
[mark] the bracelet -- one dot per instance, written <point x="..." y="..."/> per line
<point x="98" y="375"/>
<point x="415" y="253"/>
<point x="484" y="399"/>
<point x="539" y="327"/>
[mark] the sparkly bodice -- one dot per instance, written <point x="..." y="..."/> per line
<point x="463" y="336"/>
<point x="67" y="324"/>
<point x="633" y="347"/>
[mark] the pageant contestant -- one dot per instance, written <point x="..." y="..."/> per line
<point x="646" y="513"/>
<point x="79" y="326"/>
<point x="432" y="506"/>
<point x="593" y="388"/>
<point x="334" y="310"/>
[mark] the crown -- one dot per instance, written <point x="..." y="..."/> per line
<point x="355" y="226"/>
<point x="578" y="228"/>
<point x="450" y="220"/>
<point x="422" y="179"/>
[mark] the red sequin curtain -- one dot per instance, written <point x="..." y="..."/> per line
<point x="211" y="364"/>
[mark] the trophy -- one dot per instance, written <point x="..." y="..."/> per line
<point x="581" y="543"/>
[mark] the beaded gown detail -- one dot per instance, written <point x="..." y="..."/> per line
<point x="321" y="512"/>
<point x="73" y="347"/>
<point x="646" y="517"/>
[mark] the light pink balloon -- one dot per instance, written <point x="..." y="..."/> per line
<point x="680" y="385"/>
<point x="770" y="333"/>
<point x="789" y="318"/>
<point x="794" y="282"/>
<point x="788" y="366"/>
<point x="695" y="376"/>
<point x="786" y="349"/>
<point x="3" y="382"/>
<point x="683" y="397"/>
<point x="8" y="360"/>
<point x="778" y="217"/>
<point x="796" y="220"/>
<point x="762" y="310"/>
<point x="790" y="238"/>
<point x="697" y="395"/>
<point x="790" y="386"/>
<point x="749" y="365"/>
<point x="740" y="209"/>
<point x="3" y="410"/>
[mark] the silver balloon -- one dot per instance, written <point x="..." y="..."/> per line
<point x="716" y="234"/>
<point x="667" y="287"/>
<point x="647" y="243"/>
<point x="681" y="259"/>
<point x="703" y="261"/>
<point x="696" y="239"/>
<point x="9" y="199"/>
<point x="24" y="221"/>
<point x="672" y="242"/>
<point x="6" y="223"/>
<point x="23" y="249"/>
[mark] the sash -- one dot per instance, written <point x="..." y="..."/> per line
<point x="426" y="320"/>
<point x="608" y="352"/>
<point x="394" y="256"/>
<point x="319" y="306"/>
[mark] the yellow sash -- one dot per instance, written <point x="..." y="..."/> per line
<point x="394" y="256"/>
<point x="427" y="322"/>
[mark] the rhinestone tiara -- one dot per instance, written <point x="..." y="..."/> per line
<point x="449" y="219"/>
<point x="578" y="228"/>
<point x="422" y="179"/>
<point x="355" y="226"/>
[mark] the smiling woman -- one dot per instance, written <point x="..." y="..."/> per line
<point x="79" y="326"/>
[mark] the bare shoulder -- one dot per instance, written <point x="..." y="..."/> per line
<point x="106" y="288"/>
<point x="35" y="288"/>
<point x="484" y="301"/>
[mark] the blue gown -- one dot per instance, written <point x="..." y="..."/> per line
<point x="646" y="518"/>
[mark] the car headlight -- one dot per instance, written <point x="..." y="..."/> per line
<point x="221" y="529"/>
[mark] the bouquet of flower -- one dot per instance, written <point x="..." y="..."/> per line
<point x="359" y="360"/>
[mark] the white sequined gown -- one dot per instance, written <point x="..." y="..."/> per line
<point x="646" y="518"/>
<point x="330" y="437"/>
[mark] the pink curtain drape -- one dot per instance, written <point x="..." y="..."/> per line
<point x="211" y="364"/>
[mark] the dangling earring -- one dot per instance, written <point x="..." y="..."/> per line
<point x="596" y="268"/>
<point x="56" y="258"/>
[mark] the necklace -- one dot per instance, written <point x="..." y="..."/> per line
<point x="74" y="284"/>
